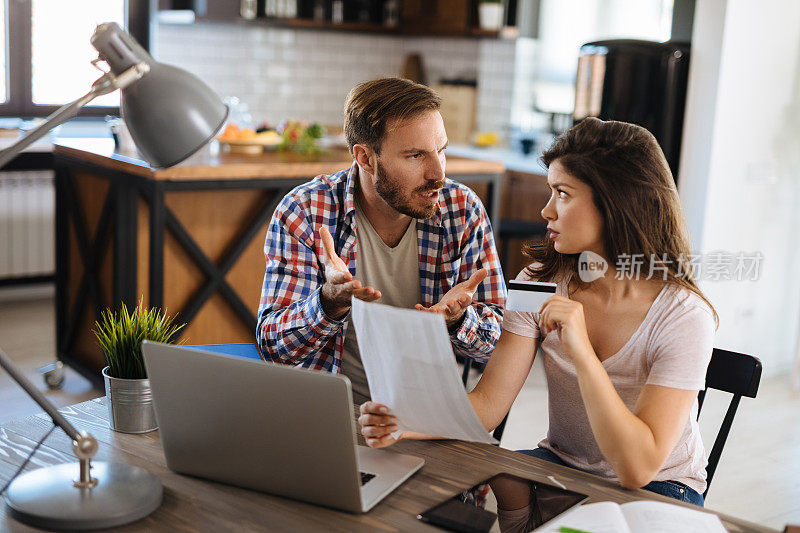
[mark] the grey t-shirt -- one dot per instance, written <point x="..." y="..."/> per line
<point x="394" y="272"/>
<point x="672" y="348"/>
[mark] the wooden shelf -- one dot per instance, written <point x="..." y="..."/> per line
<point x="448" y="18"/>
<point x="364" y="27"/>
<point x="350" y="27"/>
<point x="478" y="32"/>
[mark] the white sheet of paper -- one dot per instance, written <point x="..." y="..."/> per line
<point x="411" y="369"/>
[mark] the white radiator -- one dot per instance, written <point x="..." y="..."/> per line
<point x="27" y="224"/>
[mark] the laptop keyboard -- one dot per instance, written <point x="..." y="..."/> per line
<point x="365" y="477"/>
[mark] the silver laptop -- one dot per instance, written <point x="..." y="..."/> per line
<point x="267" y="427"/>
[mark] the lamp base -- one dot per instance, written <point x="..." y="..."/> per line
<point x="47" y="498"/>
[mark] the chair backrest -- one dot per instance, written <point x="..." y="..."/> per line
<point x="738" y="374"/>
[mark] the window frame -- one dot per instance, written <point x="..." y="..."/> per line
<point x="19" y="53"/>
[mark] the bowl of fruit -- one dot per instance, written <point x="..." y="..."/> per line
<point x="247" y="140"/>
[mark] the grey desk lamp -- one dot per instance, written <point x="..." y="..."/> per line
<point x="170" y="114"/>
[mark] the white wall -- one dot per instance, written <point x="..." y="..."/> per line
<point x="739" y="173"/>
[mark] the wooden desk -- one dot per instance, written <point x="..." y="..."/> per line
<point x="192" y="504"/>
<point x="189" y="238"/>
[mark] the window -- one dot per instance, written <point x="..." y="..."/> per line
<point x="564" y="25"/>
<point x="47" y="59"/>
<point x="3" y="62"/>
<point x="61" y="54"/>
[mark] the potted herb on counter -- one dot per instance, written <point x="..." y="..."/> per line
<point x="120" y="335"/>
<point x="300" y="136"/>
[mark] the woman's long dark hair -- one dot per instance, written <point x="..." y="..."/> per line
<point x="635" y="193"/>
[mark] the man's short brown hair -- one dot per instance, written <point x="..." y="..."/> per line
<point x="371" y="105"/>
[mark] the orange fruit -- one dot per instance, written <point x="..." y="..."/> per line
<point x="230" y="133"/>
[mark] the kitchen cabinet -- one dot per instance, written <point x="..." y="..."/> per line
<point x="438" y="17"/>
<point x="218" y="10"/>
<point x="451" y="18"/>
<point x="206" y="10"/>
<point x="188" y="238"/>
<point x="523" y="197"/>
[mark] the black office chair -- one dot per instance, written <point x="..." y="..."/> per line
<point x="738" y="374"/>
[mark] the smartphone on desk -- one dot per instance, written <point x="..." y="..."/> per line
<point x="504" y="503"/>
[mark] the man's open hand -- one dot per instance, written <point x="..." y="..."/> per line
<point x="454" y="304"/>
<point x="339" y="285"/>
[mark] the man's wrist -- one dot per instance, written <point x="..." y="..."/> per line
<point x="452" y="328"/>
<point x="331" y="311"/>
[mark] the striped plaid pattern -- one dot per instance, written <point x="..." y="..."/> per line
<point x="453" y="243"/>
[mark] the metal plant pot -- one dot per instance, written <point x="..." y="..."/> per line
<point x="130" y="404"/>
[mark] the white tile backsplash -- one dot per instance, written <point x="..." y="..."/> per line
<point x="306" y="74"/>
<point x="495" y="84"/>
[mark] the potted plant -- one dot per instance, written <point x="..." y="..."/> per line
<point x="120" y="335"/>
<point x="490" y="14"/>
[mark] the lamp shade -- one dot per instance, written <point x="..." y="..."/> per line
<point x="170" y="113"/>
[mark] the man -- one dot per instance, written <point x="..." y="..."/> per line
<point x="390" y="229"/>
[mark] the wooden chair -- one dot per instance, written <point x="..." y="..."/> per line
<point x="738" y="374"/>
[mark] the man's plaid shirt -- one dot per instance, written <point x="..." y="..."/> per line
<point x="453" y="243"/>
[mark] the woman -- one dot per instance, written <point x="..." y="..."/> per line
<point x="624" y="354"/>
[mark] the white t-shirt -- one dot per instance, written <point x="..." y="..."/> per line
<point x="672" y="348"/>
<point x="394" y="272"/>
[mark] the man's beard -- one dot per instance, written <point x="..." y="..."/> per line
<point x="390" y="189"/>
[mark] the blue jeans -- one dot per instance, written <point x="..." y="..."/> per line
<point x="672" y="489"/>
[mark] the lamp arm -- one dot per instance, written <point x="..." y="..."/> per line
<point x="38" y="397"/>
<point x="106" y="84"/>
<point x="61" y="115"/>
<point x="84" y="445"/>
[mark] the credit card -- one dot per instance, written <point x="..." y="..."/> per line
<point x="528" y="296"/>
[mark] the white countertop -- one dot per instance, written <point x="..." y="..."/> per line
<point x="512" y="159"/>
<point x="74" y="128"/>
<point x="42" y="145"/>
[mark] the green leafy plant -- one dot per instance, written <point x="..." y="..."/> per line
<point x="120" y="335"/>
<point x="300" y="136"/>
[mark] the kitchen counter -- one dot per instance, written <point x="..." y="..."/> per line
<point x="188" y="238"/>
<point x="215" y="163"/>
<point x="510" y="159"/>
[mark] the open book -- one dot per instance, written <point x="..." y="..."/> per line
<point x="636" y="517"/>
